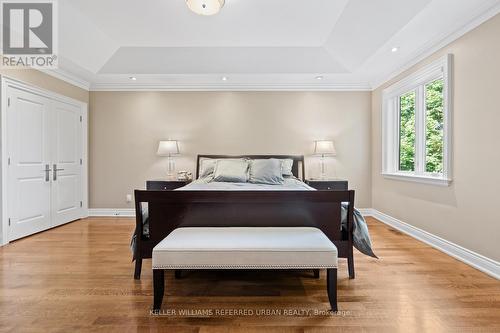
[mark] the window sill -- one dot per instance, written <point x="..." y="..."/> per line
<point x="418" y="179"/>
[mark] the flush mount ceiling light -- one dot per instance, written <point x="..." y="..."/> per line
<point x="133" y="78"/>
<point x="319" y="77"/>
<point x="205" y="7"/>
<point x="224" y="78"/>
<point x="395" y="49"/>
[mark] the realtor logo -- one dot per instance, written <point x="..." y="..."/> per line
<point x="29" y="34"/>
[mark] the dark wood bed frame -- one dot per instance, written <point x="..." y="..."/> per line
<point x="169" y="210"/>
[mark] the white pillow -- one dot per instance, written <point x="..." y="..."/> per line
<point x="286" y="167"/>
<point x="266" y="171"/>
<point x="231" y="170"/>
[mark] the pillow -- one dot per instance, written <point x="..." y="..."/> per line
<point x="266" y="171"/>
<point x="286" y="167"/>
<point x="231" y="170"/>
<point x="207" y="166"/>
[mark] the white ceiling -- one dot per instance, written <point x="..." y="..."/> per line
<point x="256" y="44"/>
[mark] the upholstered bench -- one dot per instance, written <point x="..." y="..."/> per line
<point x="245" y="248"/>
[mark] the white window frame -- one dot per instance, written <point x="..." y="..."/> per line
<point x="439" y="69"/>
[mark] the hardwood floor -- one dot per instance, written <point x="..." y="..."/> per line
<point x="79" y="277"/>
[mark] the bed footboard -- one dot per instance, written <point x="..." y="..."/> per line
<point x="169" y="210"/>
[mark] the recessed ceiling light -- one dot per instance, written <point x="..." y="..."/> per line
<point x="319" y="77"/>
<point x="224" y="78"/>
<point x="205" y="7"/>
<point x="133" y="78"/>
<point x="395" y="49"/>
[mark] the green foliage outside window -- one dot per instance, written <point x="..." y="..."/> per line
<point x="434" y="126"/>
<point x="407" y="132"/>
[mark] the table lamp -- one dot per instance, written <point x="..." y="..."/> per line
<point x="324" y="148"/>
<point x="169" y="148"/>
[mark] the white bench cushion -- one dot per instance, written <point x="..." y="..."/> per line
<point x="244" y="248"/>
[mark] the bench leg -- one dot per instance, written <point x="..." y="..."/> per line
<point x="158" y="287"/>
<point x="350" y="265"/>
<point x="138" y="267"/>
<point x="316" y="273"/>
<point x="331" y="286"/>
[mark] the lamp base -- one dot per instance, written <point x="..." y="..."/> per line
<point x="171" y="169"/>
<point x="322" y="175"/>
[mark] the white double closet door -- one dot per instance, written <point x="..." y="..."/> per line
<point x="44" y="140"/>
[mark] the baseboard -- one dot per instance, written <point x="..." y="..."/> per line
<point x="104" y="212"/>
<point x="478" y="261"/>
<point x="366" y="211"/>
<point x="129" y="212"/>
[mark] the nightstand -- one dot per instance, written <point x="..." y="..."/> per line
<point x="165" y="185"/>
<point x="328" y="185"/>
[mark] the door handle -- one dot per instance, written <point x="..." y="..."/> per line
<point x="47" y="172"/>
<point x="55" y="171"/>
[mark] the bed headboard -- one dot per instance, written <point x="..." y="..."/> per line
<point x="298" y="168"/>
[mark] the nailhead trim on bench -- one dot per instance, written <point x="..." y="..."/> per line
<point x="243" y="267"/>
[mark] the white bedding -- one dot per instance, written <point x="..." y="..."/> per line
<point x="205" y="184"/>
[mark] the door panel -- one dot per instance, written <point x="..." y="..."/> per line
<point x="68" y="197"/>
<point x="28" y="141"/>
<point x="66" y="154"/>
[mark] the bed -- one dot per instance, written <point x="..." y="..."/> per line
<point x="209" y="203"/>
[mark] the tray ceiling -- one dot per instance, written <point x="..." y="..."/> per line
<point x="258" y="44"/>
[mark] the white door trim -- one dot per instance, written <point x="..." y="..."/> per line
<point x="5" y="82"/>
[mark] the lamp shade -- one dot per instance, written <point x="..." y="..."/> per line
<point x="168" y="147"/>
<point x="324" y="147"/>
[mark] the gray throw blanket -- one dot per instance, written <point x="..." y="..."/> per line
<point x="360" y="235"/>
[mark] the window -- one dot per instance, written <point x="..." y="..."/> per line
<point x="416" y="126"/>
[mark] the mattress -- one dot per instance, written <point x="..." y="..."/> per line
<point x="204" y="184"/>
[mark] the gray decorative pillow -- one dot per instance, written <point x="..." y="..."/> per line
<point x="266" y="171"/>
<point x="228" y="170"/>
<point x="207" y="166"/>
<point x="286" y="167"/>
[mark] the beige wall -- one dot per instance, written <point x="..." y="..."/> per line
<point x="465" y="212"/>
<point x="47" y="82"/>
<point x="125" y="128"/>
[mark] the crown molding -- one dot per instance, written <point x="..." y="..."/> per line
<point x="434" y="45"/>
<point x="67" y="77"/>
<point x="229" y="87"/>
